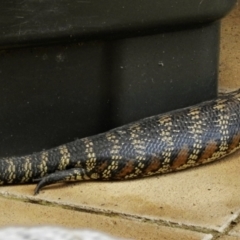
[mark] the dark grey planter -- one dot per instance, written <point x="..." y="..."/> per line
<point x="70" y="69"/>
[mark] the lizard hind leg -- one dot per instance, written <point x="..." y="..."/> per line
<point x="73" y="174"/>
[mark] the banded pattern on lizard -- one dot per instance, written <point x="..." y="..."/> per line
<point x="155" y="145"/>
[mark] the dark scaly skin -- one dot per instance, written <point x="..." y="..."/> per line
<point x="159" y="144"/>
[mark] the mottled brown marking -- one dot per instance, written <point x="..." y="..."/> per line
<point x="181" y="158"/>
<point x="234" y="143"/>
<point x="209" y="150"/>
<point x="154" y="165"/>
<point x="102" y="166"/>
<point x="127" y="169"/>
